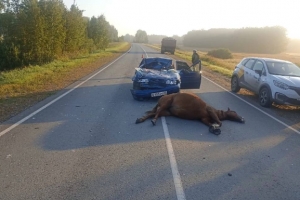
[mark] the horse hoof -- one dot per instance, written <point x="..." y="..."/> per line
<point x="153" y="122"/>
<point x="217" y="132"/>
<point x="215" y="129"/>
<point x="138" y="121"/>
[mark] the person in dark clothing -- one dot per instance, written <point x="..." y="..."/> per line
<point x="196" y="60"/>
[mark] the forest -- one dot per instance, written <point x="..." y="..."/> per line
<point x="265" y="40"/>
<point x="36" y="32"/>
<point x="248" y="40"/>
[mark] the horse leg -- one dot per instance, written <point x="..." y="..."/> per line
<point x="149" y="114"/>
<point x="213" y="128"/>
<point x="212" y="113"/>
<point x="206" y="121"/>
<point x="162" y="110"/>
<point x="162" y="113"/>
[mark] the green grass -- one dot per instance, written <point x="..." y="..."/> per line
<point x="33" y="79"/>
<point x="214" y="64"/>
<point x="226" y="66"/>
<point x="22" y="88"/>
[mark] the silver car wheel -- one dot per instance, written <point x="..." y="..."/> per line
<point x="235" y="84"/>
<point x="264" y="97"/>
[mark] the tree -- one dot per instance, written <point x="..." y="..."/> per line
<point x="39" y="31"/>
<point x="104" y="32"/>
<point x="128" y="38"/>
<point x="98" y="31"/>
<point x="53" y="13"/>
<point x="75" y="30"/>
<point x="9" y="33"/>
<point x="250" y="40"/>
<point x="113" y="33"/>
<point x="31" y="36"/>
<point x="141" y="37"/>
<point x="2" y="5"/>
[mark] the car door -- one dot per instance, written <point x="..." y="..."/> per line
<point x="246" y="81"/>
<point x="189" y="79"/>
<point x="255" y="75"/>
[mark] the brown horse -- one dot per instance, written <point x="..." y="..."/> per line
<point x="190" y="106"/>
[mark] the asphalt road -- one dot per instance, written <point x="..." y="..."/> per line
<point x="83" y="143"/>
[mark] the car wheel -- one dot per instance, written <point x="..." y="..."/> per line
<point x="265" y="97"/>
<point x="235" y="84"/>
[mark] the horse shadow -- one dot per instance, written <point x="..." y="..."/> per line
<point x="74" y="122"/>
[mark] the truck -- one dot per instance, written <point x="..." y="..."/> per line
<point x="168" y="44"/>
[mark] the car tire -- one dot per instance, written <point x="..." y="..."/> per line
<point x="235" y="84"/>
<point x="265" y="97"/>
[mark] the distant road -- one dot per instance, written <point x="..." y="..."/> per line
<point x="83" y="143"/>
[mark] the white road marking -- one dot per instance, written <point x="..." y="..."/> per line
<point x="281" y="122"/>
<point x="53" y="101"/>
<point x="176" y="175"/>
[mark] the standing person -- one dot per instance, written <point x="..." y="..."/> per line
<point x="196" y="60"/>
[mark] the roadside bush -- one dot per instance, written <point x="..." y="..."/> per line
<point x="220" y="53"/>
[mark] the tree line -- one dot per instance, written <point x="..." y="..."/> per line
<point x="248" y="40"/>
<point x="268" y="40"/>
<point x="35" y="32"/>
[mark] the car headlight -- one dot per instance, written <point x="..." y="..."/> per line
<point x="143" y="80"/>
<point x="171" y="82"/>
<point x="281" y="85"/>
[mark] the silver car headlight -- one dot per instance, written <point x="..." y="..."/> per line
<point x="171" y="82"/>
<point x="281" y="85"/>
<point x="143" y="80"/>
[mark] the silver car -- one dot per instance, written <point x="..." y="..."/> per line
<point x="273" y="80"/>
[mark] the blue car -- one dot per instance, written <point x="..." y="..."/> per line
<point x="156" y="77"/>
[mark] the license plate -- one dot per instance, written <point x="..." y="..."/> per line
<point x="157" y="94"/>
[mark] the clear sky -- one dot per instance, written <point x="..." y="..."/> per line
<point x="166" y="17"/>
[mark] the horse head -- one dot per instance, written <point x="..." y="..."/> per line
<point x="233" y="116"/>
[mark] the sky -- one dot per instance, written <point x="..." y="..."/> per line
<point x="165" y="17"/>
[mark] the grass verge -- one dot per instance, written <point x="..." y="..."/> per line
<point x="21" y="88"/>
<point x="214" y="64"/>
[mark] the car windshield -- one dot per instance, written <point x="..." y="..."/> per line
<point x="283" y="68"/>
<point x="156" y="63"/>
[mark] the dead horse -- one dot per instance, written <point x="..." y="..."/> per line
<point x="190" y="106"/>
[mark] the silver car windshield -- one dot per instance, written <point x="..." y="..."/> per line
<point x="283" y="69"/>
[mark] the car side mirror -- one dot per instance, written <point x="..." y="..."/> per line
<point x="258" y="71"/>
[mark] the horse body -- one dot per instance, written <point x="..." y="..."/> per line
<point x="189" y="106"/>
